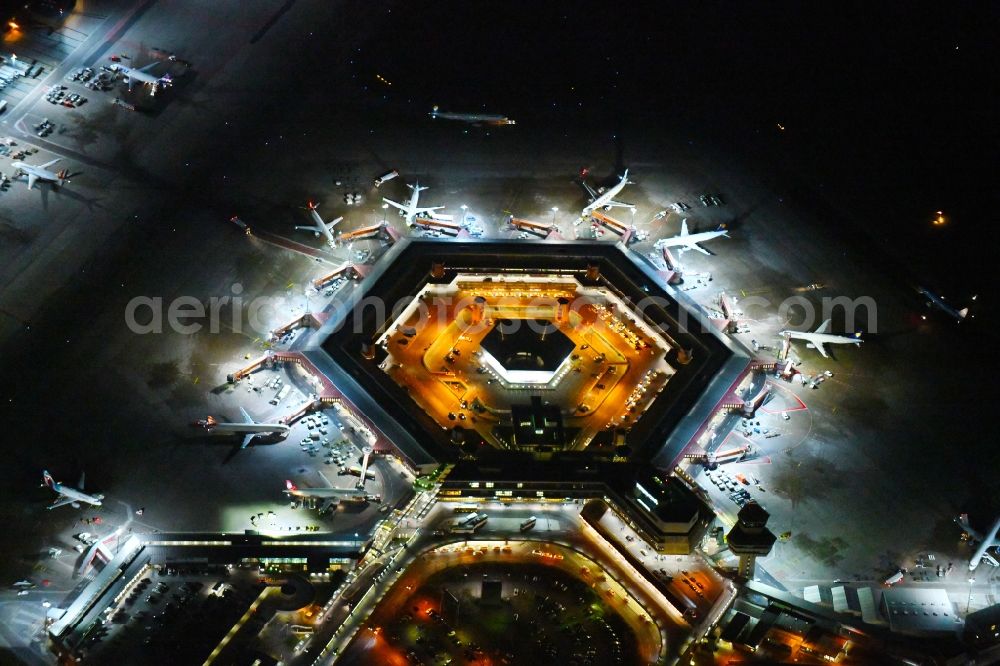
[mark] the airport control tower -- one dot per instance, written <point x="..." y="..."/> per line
<point x="750" y="537"/>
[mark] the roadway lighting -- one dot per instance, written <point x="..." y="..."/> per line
<point x="555" y="209"/>
<point x="464" y="209"/>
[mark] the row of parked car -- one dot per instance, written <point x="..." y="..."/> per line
<point x="59" y="95"/>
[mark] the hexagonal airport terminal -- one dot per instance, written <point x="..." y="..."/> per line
<point x="466" y="347"/>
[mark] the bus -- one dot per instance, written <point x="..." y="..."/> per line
<point x="528" y="524"/>
<point x="281" y="395"/>
<point x="893" y="579"/>
<point x="356" y="471"/>
<point x="473" y="519"/>
<point x="470" y="524"/>
<point x="464" y="509"/>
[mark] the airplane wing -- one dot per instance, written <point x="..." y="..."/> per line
<point x="62" y="501"/>
<point x="429" y="209"/>
<point x="246" y="416"/>
<point x="146" y="68"/>
<point x="824" y="327"/>
<point x="83" y="478"/>
<point x="821" y="349"/>
<point x="393" y="203"/>
<point x="247" y="439"/>
<point x="32" y="179"/>
<point x="332" y="223"/>
<point x="619" y="204"/>
<point x="590" y="190"/>
<point x="695" y="246"/>
<point x="49" y="163"/>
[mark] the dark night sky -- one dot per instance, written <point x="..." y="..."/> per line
<point x="893" y="108"/>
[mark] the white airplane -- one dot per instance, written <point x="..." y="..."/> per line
<point x="606" y="199"/>
<point x="329" y="495"/>
<point x="143" y="76"/>
<point x="933" y="300"/>
<point x="319" y="227"/>
<point x="252" y="428"/>
<point x="820" y="337"/>
<point x="688" y="241"/>
<point x="69" y="495"/>
<point x="474" y="118"/>
<point x="36" y="172"/>
<point x="410" y="210"/>
<point x="985" y="544"/>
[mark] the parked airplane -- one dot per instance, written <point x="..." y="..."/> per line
<point x="143" y="76"/>
<point x="67" y="495"/>
<point x="252" y="428"/>
<point x="688" y="241"/>
<point x="36" y="172"/>
<point x="933" y="300"/>
<point x="410" y="210"/>
<point x="328" y="495"/>
<point x="992" y="539"/>
<point x="319" y="227"/>
<point x="606" y="199"/>
<point x="820" y="337"/>
<point x="473" y="118"/>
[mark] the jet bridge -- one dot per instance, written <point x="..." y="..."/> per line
<point x="438" y="225"/>
<point x="349" y="271"/>
<point x="536" y="228"/>
<point x="308" y="320"/>
<point x="620" y="228"/>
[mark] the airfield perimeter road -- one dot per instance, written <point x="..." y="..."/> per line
<point x="256" y="132"/>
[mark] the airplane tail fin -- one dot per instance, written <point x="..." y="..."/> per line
<point x="434" y="111"/>
<point x="63" y="173"/>
<point x="684" y="227"/>
<point x="210" y="421"/>
<point x="963" y="313"/>
<point x="47" y="478"/>
<point x="289" y="485"/>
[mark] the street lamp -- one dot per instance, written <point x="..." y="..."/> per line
<point x="385" y="207"/>
<point x="464" y="209"/>
<point x="555" y="209"/>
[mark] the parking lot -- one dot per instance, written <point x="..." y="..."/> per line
<point x="172" y="615"/>
<point x="37" y="48"/>
<point x="538" y="613"/>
